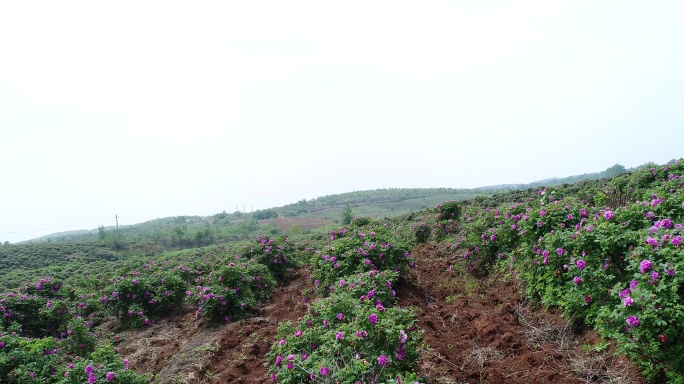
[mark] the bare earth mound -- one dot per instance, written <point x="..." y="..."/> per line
<point x="481" y="331"/>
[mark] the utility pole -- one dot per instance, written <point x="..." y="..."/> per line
<point x="117" y="222"/>
<point x="243" y="209"/>
<point x="236" y="208"/>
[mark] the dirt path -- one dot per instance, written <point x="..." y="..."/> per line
<point x="481" y="331"/>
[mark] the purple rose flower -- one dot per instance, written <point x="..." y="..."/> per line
<point x="110" y="376"/>
<point x="608" y="215"/>
<point x="645" y="265"/>
<point x="632" y="321"/>
<point x="606" y="265"/>
<point x="577" y="280"/>
<point x="581" y="264"/>
<point x="383" y="360"/>
<point x="402" y="337"/>
<point x="324" y="371"/>
<point x="560" y="251"/>
<point x="362" y="334"/>
<point x="373" y="318"/>
<point x="633" y="284"/>
<point x="652" y="242"/>
<point x="628" y="301"/>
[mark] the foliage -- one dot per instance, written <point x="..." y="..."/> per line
<point x="346" y="215"/>
<point x="609" y="257"/>
<point x="449" y="210"/>
<point x="45" y="360"/>
<point x="140" y="295"/>
<point x="278" y="254"/>
<point x="422" y="232"/>
<point x="359" y="249"/>
<point x="266" y="214"/>
<point x="230" y="291"/>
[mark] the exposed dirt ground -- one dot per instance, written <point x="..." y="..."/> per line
<point x="476" y="330"/>
<point x="482" y="331"/>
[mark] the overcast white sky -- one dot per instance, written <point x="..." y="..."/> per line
<point x="152" y="109"/>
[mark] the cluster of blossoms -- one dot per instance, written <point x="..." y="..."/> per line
<point x="352" y="317"/>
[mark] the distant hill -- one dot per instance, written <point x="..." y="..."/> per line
<point x="189" y="231"/>
<point x="613" y="171"/>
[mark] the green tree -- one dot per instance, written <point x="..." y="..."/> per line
<point x="204" y="236"/>
<point x="179" y="234"/>
<point x="346" y="214"/>
<point x="101" y="232"/>
<point x="266" y="214"/>
<point x="615" y="170"/>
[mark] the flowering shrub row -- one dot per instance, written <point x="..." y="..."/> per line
<point x="614" y="267"/>
<point x="422" y="232"/>
<point x="359" y="249"/>
<point x="275" y="253"/>
<point x="68" y="359"/>
<point x="45" y="326"/>
<point x="352" y="333"/>
<point x="142" y="295"/>
<point x="229" y="292"/>
<point x="351" y="336"/>
<point x="449" y="210"/>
